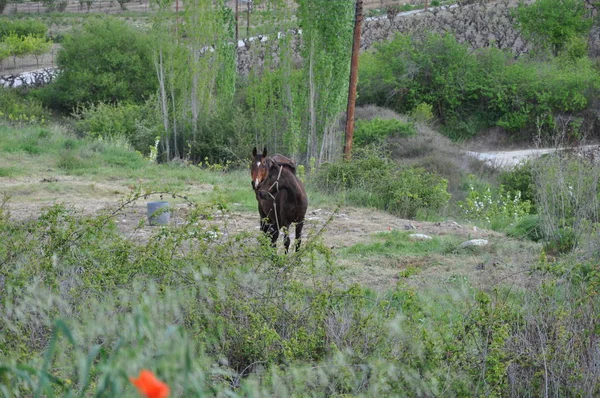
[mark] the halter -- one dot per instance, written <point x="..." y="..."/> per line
<point x="276" y="185"/>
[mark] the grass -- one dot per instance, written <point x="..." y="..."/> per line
<point x="51" y="153"/>
<point x="398" y="244"/>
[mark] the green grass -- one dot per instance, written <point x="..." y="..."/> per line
<point x="397" y="244"/>
<point x="51" y="152"/>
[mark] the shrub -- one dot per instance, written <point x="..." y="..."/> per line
<point x="136" y="123"/>
<point x="470" y="90"/>
<point x="20" y="109"/>
<point x="520" y="178"/>
<point x="422" y="113"/>
<point x="22" y="28"/>
<point x="371" y="179"/>
<point x="497" y="208"/>
<point x="104" y="61"/>
<point x="566" y="191"/>
<point x="376" y="130"/>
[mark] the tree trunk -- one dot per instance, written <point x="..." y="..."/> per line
<point x="159" y="65"/>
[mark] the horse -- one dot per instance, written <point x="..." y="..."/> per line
<point x="280" y="194"/>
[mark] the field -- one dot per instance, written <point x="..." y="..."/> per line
<point x="423" y="271"/>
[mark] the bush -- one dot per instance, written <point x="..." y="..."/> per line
<point x="22" y="28"/>
<point x="135" y="123"/>
<point x="498" y="209"/>
<point x="104" y="61"/>
<point x="566" y="191"/>
<point x="473" y="90"/>
<point x="20" y="109"/>
<point x="376" y="130"/>
<point x="371" y="179"/>
<point x="520" y="179"/>
<point x="553" y="23"/>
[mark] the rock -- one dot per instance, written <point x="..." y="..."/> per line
<point x="419" y="236"/>
<point x="410" y="226"/>
<point x="474" y="242"/>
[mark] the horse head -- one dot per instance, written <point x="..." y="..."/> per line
<point x="259" y="169"/>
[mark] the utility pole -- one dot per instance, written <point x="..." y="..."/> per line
<point x="248" y="18"/>
<point x="353" y="81"/>
<point x="237" y="20"/>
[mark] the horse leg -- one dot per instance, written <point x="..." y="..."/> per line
<point x="274" y="236"/>
<point x="299" y="227"/>
<point x="286" y="240"/>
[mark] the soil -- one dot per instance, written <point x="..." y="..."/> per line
<point x="503" y="260"/>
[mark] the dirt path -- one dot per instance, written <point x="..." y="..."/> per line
<point x="513" y="158"/>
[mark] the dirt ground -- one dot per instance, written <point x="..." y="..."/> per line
<point x="503" y="261"/>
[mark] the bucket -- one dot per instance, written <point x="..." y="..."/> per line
<point x="161" y="209"/>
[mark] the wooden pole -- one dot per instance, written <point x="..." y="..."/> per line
<point x="237" y="20"/>
<point x="248" y="19"/>
<point x="353" y="81"/>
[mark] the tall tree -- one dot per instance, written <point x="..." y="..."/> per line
<point x="327" y="37"/>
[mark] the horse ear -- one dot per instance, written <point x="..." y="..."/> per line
<point x="254" y="152"/>
<point x="264" y="152"/>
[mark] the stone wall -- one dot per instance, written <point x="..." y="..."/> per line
<point x="479" y="25"/>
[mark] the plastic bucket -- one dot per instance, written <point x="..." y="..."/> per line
<point x="163" y="215"/>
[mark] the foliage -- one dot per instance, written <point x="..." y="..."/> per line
<point x="138" y="124"/>
<point x="497" y="209"/>
<point x="196" y="72"/>
<point x="520" y="178"/>
<point x="566" y="190"/>
<point x="373" y="180"/>
<point x="554" y="23"/>
<point x="471" y="90"/>
<point x="226" y="316"/>
<point x="376" y="130"/>
<point x="20" y="109"/>
<point x="104" y="61"/>
<point x="422" y="113"/>
<point x="326" y="43"/>
<point x="22" y="28"/>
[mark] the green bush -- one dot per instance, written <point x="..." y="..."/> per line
<point x="520" y="178"/>
<point x="21" y="109"/>
<point x="567" y="196"/>
<point x="553" y="23"/>
<point x="470" y="90"/>
<point x="104" y="61"/>
<point x="87" y="307"/>
<point x="377" y="130"/>
<point x="371" y="179"/>
<point x="22" y="28"/>
<point x="137" y="124"/>
<point x="496" y="208"/>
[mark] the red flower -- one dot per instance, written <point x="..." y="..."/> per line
<point x="150" y="386"/>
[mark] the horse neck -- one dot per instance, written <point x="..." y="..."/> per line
<point x="279" y="175"/>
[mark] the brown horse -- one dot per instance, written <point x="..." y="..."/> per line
<point x="280" y="194"/>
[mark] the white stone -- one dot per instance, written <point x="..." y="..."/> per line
<point x="419" y="236"/>
<point x="474" y="242"/>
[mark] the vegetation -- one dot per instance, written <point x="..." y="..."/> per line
<point x="469" y="91"/>
<point x="104" y="61"/>
<point x="21" y="38"/>
<point x="155" y="110"/>
<point x="555" y="25"/>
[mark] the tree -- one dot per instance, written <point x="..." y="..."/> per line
<point x="194" y="64"/>
<point x="553" y="23"/>
<point x="327" y="40"/>
<point x="104" y="61"/>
